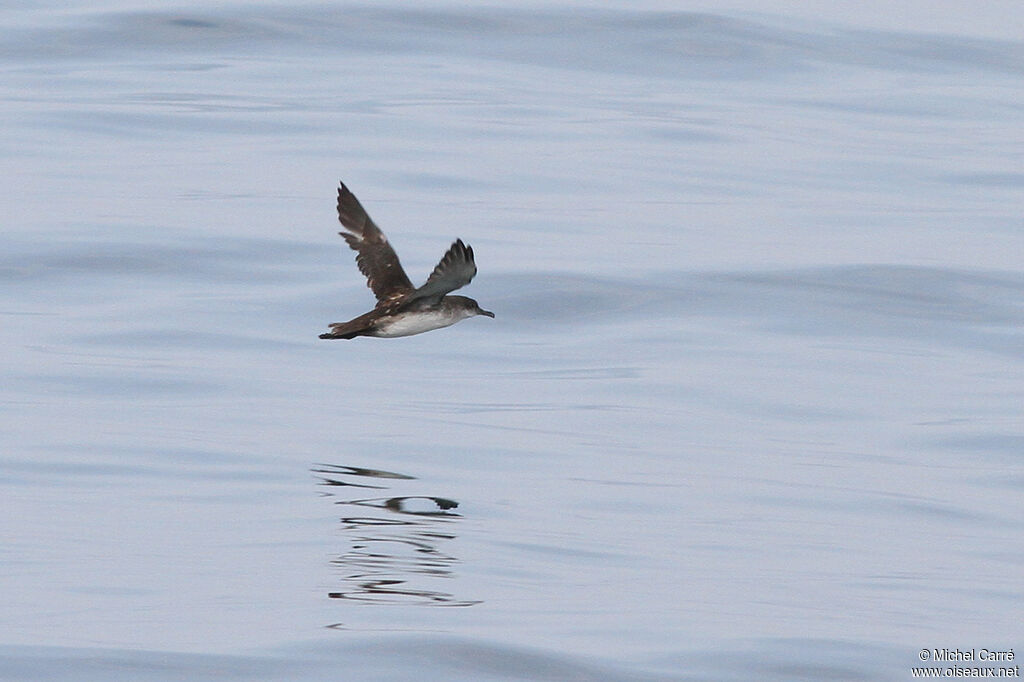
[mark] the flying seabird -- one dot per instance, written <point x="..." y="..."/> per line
<point x="401" y="309"/>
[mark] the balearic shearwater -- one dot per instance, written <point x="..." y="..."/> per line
<point x="401" y="309"/>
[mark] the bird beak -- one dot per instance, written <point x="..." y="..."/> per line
<point x="488" y="313"/>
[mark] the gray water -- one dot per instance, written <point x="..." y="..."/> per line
<point x="750" y="407"/>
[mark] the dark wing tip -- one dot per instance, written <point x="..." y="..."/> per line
<point x="460" y="248"/>
<point x="351" y="213"/>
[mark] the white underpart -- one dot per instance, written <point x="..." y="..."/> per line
<point x="407" y="324"/>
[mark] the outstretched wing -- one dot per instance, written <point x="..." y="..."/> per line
<point x="455" y="270"/>
<point x="374" y="255"/>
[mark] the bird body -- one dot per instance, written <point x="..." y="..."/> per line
<point x="402" y="310"/>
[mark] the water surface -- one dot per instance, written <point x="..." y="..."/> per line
<point x="749" y="409"/>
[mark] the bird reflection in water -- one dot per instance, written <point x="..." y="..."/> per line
<point x="396" y="550"/>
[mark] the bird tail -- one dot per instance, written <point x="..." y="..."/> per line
<point x="359" y="326"/>
<point x="339" y="333"/>
<point x="347" y="330"/>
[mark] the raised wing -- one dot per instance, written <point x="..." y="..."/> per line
<point x="374" y="255"/>
<point x="455" y="270"/>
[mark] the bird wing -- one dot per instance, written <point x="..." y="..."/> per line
<point x="374" y="255"/>
<point x="455" y="270"/>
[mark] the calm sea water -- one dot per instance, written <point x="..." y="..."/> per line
<point x="751" y="407"/>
